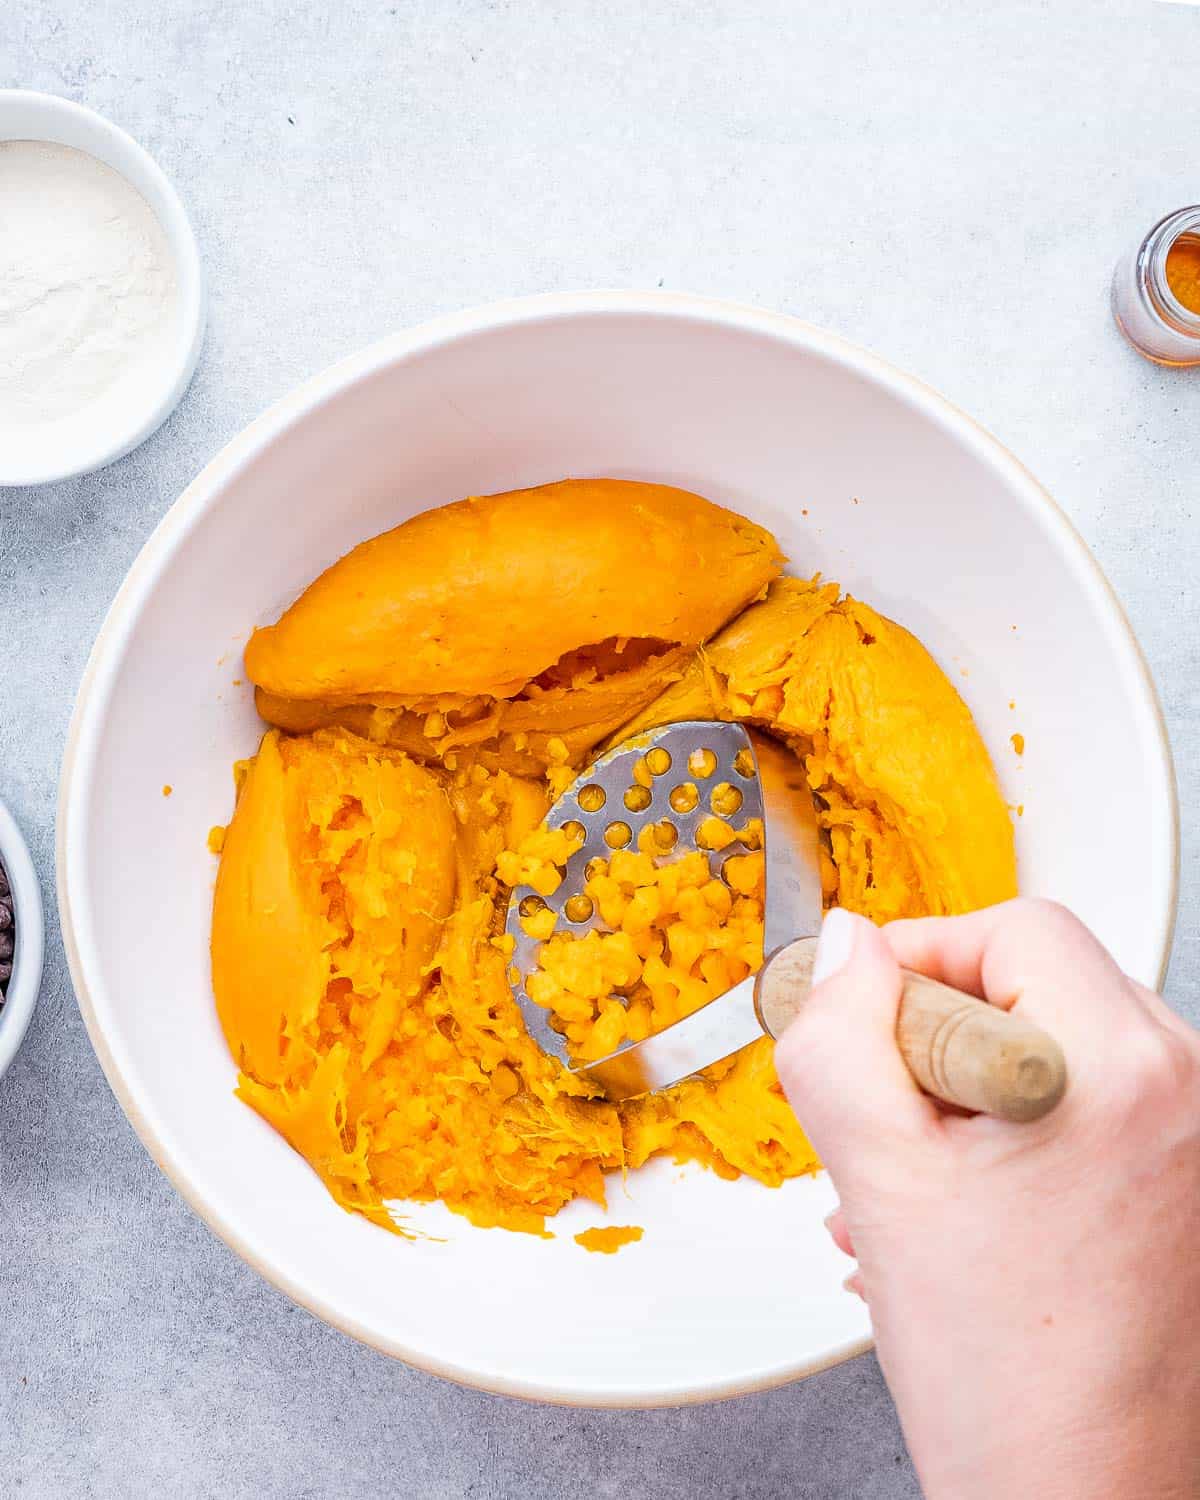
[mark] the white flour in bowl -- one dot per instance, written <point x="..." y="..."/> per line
<point x="88" y="291"/>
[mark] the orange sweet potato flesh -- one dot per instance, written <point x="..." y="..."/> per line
<point x="481" y="597"/>
<point x="431" y="694"/>
<point x="336" y="877"/>
<point x="547" y="724"/>
<point x="916" y="820"/>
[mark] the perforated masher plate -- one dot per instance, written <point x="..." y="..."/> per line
<point x="609" y="802"/>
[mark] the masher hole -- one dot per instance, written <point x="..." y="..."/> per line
<point x="684" y="798"/>
<point x="592" y="798"/>
<point x="726" y="800"/>
<point x="666" y="835"/>
<point x="702" y="763"/>
<point x="617" y="835"/>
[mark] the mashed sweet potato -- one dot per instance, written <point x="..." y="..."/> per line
<point x="428" y="695"/>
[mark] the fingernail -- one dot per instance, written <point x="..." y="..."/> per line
<point x="835" y="944"/>
<point x="828" y="1220"/>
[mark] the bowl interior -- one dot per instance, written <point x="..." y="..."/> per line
<point x="862" y="475"/>
<point x="113" y="424"/>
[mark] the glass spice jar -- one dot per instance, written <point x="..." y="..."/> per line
<point x="1156" y="291"/>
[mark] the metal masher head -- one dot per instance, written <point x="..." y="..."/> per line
<point x="651" y="792"/>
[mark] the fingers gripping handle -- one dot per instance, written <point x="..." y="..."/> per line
<point x="958" y="1048"/>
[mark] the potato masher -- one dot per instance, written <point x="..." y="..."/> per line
<point x="958" y="1048"/>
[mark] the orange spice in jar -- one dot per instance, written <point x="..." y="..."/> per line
<point x="1156" y="291"/>
<point x="1183" y="271"/>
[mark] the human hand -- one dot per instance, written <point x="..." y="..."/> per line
<point x="1034" y="1288"/>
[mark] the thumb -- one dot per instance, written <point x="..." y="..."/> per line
<point x="838" y="1061"/>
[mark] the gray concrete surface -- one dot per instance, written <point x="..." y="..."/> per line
<point x="948" y="184"/>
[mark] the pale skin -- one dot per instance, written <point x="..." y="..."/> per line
<point x="1034" y="1289"/>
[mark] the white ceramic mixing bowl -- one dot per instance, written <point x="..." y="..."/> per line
<point x="862" y="473"/>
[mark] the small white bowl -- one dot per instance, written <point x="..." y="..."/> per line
<point x="26" y="979"/>
<point x="863" y="474"/>
<point x="29" y="116"/>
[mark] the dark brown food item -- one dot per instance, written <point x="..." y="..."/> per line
<point x="7" y="933"/>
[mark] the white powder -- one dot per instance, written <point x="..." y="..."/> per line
<point x="88" y="292"/>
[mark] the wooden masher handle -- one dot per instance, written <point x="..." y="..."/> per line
<point x="958" y="1048"/>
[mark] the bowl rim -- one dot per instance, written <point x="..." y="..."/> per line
<point x="113" y="146"/>
<point x="29" y="947"/>
<point x="113" y="637"/>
